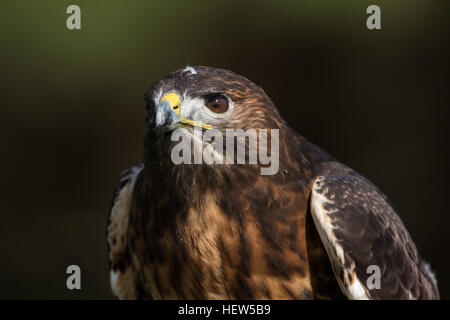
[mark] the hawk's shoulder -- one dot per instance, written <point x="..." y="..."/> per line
<point x="124" y="283"/>
<point x="359" y="229"/>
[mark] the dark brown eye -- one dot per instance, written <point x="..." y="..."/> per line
<point x="217" y="103"/>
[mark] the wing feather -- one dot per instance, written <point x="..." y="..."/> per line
<point x="123" y="276"/>
<point x="359" y="229"/>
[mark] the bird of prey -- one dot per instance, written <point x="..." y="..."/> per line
<point x="315" y="229"/>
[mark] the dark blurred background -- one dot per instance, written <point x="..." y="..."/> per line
<point x="72" y="111"/>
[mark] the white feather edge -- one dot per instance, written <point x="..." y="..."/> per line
<point x="123" y="283"/>
<point x="355" y="290"/>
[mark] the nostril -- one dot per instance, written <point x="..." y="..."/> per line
<point x="176" y="107"/>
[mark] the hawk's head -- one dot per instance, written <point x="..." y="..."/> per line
<point x="202" y="98"/>
<point x="210" y="98"/>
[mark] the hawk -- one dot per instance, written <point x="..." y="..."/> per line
<point x="315" y="229"/>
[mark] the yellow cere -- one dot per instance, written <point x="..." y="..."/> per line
<point x="175" y="103"/>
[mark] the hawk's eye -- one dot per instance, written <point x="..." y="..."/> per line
<point x="217" y="103"/>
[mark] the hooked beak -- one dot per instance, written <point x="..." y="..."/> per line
<point x="168" y="115"/>
<point x="166" y="118"/>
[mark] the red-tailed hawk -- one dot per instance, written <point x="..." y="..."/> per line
<point x="315" y="229"/>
